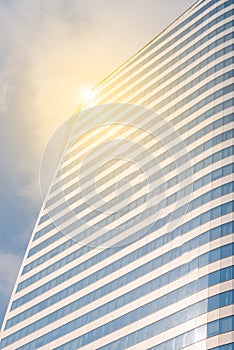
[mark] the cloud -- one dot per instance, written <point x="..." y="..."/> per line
<point x="38" y="77"/>
<point x="9" y="265"/>
<point x="8" y="271"/>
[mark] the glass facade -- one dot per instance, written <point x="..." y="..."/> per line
<point x="133" y="247"/>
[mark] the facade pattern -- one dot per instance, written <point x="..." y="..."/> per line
<point x="147" y="264"/>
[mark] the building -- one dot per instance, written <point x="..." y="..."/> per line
<point x="133" y="246"/>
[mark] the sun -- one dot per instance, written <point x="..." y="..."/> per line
<point x="87" y="94"/>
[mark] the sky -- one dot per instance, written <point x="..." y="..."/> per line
<point x="50" y="51"/>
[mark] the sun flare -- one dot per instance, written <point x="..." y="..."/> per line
<point x="87" y="94"/>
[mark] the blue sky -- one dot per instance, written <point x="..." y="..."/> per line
<point x="50" y="51"/>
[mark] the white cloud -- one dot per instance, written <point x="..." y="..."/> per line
<point x="9" y="267"/>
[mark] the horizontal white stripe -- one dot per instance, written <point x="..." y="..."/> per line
<point x="196" y="322"/>
<point x="154" y="235"/>
<point x="165" y="312"/>
<point x="133" y="305"/>
<point x="127" y="172"/>
<point x="161" y="270"/>
<point x="178" y="241"/>
<point x="188" y="133"/>
<point x="95" y="141"/>
<point x="122" y="99"/>
<point x="196" y="194"/>
<point x="173" y="332"/>
<point x="104" y="87"/>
